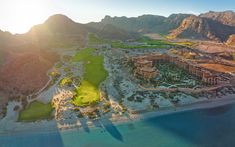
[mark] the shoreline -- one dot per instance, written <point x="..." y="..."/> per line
<point x="52" y="126"/>
<point x="205" y="104"/>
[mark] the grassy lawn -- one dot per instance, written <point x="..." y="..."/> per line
<point x="117" y="44"/>
<point x="147" y="43"/>
<point x="154" y="42"/>
<point x="165" y="42"/>
<point x="36" y="111"/>
<point x="185" y="43"/>
<point x="94" y="74"/>
<point x="87" y="94"/>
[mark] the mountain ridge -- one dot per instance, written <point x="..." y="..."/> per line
<point x="196" y="27"/>
<point x="225" y="17"/>
<point x="145" y="23"/>
<point x="60" y="27"/>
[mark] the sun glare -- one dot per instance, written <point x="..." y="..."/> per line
<point x="22" y="14"/>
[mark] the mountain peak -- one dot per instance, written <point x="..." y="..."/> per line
<point x="203" y="28"/>
<point x="225" y="17"/>
<point x="58" y="18"/>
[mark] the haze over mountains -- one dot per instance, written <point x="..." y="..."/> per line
<point x="216" y="26"/>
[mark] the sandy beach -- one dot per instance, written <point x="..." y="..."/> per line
<point x="9" y="128"/>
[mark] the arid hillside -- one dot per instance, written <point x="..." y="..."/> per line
<point x="195" y="27"/>
<point x="231" y="40"/>
<point x="226" y="17"/>
<point x="58" y="31"/>
<point x="144" y="24"/>
<point x="25" y="72"/>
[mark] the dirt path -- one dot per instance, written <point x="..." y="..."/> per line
<point x="186" y="90"/>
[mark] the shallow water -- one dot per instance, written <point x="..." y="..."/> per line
<point x="205" y="128"/>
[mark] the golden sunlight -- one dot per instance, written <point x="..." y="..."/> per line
<point x="22" y="14"/>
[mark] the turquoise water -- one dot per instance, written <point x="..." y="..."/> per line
<point x="205" y="128"/>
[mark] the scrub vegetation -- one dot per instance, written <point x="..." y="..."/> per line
<point x="172" y="76"/>
<point x="95" y="40"/>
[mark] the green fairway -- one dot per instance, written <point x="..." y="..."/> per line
<point x="36" y="111"/>
<point x="94" y="74"/>
<point x="163" y="43"/>
<point x="185" y="43"/>
<point x="86" y="94"/>
<point x="147" y="45"/>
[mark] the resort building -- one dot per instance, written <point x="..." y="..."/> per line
<point x="209" y="78"/>
<point x="143" y="63"/>
<point x="144" y="66"/>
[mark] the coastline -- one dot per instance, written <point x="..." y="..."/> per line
<point x="14" y="128"/>
<point x="205" y="104"/>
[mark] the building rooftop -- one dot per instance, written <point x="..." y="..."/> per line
<point x="143" y="61"/>
<point x="148" y="69"/>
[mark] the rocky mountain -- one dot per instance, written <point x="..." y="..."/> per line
<point x="216" y="26"/>
<point x="6" y="38"/>
<point x="196" y="27"/>
<point x="24" y="72"/>
<point x="58" y="30"/>
<point x="231" y="40"/>
<point x="109" y="31"/>
<point x="146" y="23"/>
<point x="226" y="17"/>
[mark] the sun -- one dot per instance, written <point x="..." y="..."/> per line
<point x="21" y="15"/>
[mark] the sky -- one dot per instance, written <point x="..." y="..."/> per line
<point x="18" y="16"/>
